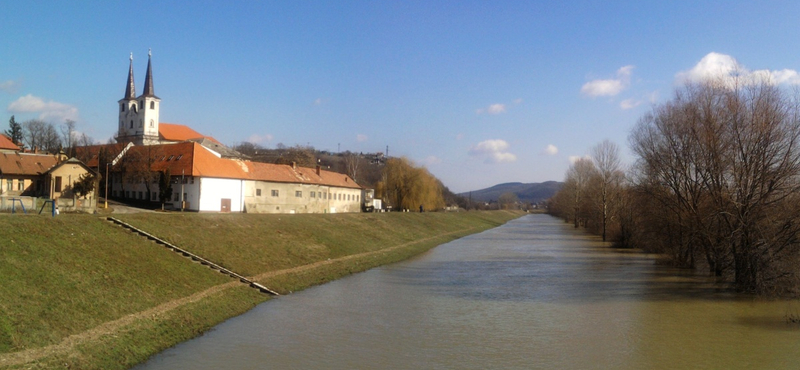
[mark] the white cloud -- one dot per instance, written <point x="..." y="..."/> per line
<point x="318" y="101"/>
<point x="259" y="139"/>
<point x="629" y="103"/>
<point x="518" y="101"/>
<point x="550" y="150"/>
<point x="493" y="109"/>
<point x="48" y="110"/>
<point x="494" y="151"/>
<point x="361" y="138"/>
<point x="575" y="158"/>
<point x="716" y="66"/>
<point x="432" y="160"/>
<point x="496" y="109"/>
<point x="9" y="86"/>
<point x="609" y="87"/>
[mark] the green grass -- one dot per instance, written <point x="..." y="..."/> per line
<point x="63" y="276"/>
<point x="252" y="244"/>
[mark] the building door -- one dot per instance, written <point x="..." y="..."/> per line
<point x="226" y="206"/>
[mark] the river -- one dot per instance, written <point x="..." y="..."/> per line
<point x="532" y="294"/>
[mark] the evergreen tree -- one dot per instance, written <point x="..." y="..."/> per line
<point x="14" y="131"/>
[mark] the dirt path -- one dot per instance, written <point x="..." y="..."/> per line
<point x="69" y="343"/>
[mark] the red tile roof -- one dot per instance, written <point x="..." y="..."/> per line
<point x="90" y="155"/>
<point x="26" y="163"/>
<point x="7" y="144"/>
<point x="192" y="159"/>
<point x="175" y="132"/>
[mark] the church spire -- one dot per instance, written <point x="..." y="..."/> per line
<point x="130" y="89"/>
<point x="148" y="79"/>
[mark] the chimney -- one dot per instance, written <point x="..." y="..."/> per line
<point x="318" y="170"/>
<point x="294" y="165"/>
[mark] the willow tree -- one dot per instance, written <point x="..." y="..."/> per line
<point x="406" y="186"/>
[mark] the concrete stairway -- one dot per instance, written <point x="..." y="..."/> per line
<point x="194" y="257"/>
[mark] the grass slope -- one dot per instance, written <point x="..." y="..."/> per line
<point x="65" y="277"/>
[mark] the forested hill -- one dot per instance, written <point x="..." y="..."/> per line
<point x="527" y="193"/>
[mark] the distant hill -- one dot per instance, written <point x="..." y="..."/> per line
<point x="527" y="193"/>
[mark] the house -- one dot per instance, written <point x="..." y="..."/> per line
<point x="27" y="176"/>
<point x="7" y="145"/>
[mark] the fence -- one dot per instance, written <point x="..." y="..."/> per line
<point x="33" y="204"/>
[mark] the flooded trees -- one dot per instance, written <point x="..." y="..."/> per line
<point x="723" y="160"/>
<point x="715" y="186"/>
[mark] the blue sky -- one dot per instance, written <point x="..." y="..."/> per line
<point x="479" y="92"/>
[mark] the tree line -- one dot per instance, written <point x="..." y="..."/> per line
<point x="45" y="136"/>
<point x="715" y="185"/>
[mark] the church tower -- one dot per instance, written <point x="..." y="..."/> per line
<point x="138" y="116"/>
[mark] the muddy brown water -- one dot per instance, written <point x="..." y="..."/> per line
<point x="532" y="294"/>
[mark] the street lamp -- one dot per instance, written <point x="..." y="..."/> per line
<point x="107" y="164"/>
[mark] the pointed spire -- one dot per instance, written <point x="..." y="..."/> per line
<point x="148" y="79"/>
<point x="130" y="89"/>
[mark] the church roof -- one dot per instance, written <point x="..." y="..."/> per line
<point x="130" y="88"/>
<point x="148" y="79"/>
<point x="7" y="144"/>
<point x="175" y="132"/>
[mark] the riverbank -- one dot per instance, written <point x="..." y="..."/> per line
<point x="79" y="292"/>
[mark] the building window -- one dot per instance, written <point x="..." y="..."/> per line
<point x="152" y="106"/>
<point x="274" y="193"/>
<point x="9" y="183"/>
<point x="313" y="194"/>
<point x="131" y="123"/>
<point x="141" y="102"/>
<point x="298" y="194"/>
<point x="21" y="185"/>
<point x="58" y="184"/>
<point x="122" y="107"/>
<point x="151" y="122"/>
<point x="153" y="196"/>
<point x="258" y="192"/>
<point x="141" y="122"/>
<point x="140" y="196"/>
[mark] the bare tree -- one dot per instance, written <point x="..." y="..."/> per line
<point x="606" y="160"/>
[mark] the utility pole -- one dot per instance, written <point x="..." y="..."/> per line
<point x="182" y="200"/>
<point x="106" y="198"/>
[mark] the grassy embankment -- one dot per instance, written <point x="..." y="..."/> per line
<point x="78" y="292"/>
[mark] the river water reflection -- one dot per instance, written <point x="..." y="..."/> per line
<point x="534" y="293"/>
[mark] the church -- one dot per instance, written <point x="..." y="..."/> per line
<point x="207" y="176"/>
